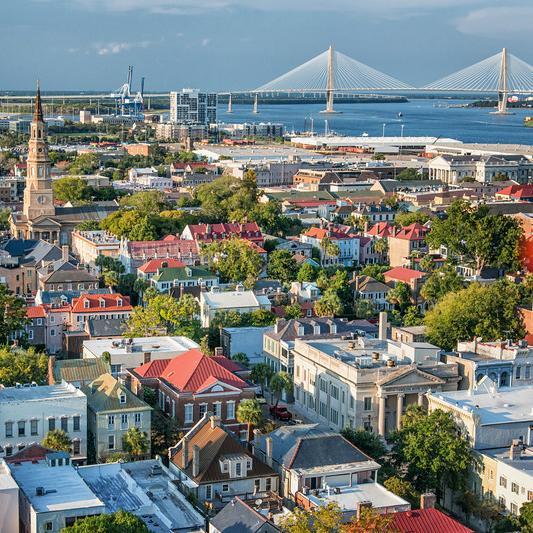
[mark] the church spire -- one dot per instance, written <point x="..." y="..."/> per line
<point x="38" y="109"/>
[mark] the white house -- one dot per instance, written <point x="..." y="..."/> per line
<point x="29" y="412"/>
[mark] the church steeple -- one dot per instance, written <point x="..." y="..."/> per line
<point x="38" y="194"/>
<point x="38" y="108"/>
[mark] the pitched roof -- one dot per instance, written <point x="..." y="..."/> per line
<point x="214" y="443"/>
<point x="237" y="517"/>
<point x="403" y="274"/>
<point x="73" y="370"/>
<point x="37" y="311"/>
<point x="192" y="371"/>
<point x="381" y="229"/>
<point x="183" y="273"/>
<point x="413" y="232"/>
<point x="32" y="452"/>
<point x="427" y="521"/>
<point x="368" y="284"/>
<point x="322" y="233"/>
<point x="110" y="327"/>
<point x="111" y="303"/>
<point x="69" y="273"/>
<point x="103" y="394"/>
<point x="152" y="266"/>
<point x="153" y="369"/>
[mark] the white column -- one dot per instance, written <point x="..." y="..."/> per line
<point x="381" y="415"/>
<point x="399" y="410"/>
<point x="421" y="399"/>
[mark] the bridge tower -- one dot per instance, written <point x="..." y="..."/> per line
<point x="255" y="109"/>
<point x="330" y="86"/>
<point x="503" y="85"/>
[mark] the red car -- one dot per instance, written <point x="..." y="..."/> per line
<point x="280" y="413"/>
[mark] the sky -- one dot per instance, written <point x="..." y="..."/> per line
<point x="242" y="44"/>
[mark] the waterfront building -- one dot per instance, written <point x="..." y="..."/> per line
<point x="192" y="105"/>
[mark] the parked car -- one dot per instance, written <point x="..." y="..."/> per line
<point x="280" y="412"/>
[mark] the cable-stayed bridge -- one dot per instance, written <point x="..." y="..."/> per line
<point x="333" y="72"/>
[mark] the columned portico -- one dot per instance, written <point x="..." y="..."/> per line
<point x="399" y="410"/>
<point x="381" y="414"/>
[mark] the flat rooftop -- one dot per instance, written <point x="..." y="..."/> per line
<point x="337" y="140"/>
<point x="258" y="153"/>
<point x="145" y="488"/>
<point x="227" y="299"/>
<point x="67" y="489"/>
<point x="349" y="497"/>
<point x="140" y="344"/>
<point x="39" y="393"/>
<point x="524" y="463"/>
<point x="498" y="406"/>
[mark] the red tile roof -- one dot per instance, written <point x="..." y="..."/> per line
<point x="403" y="274"/>
<point x="322" y="233"/>
<point x="192" y="371"/>
<point x="427" y="521"/>
<point x="152" y="266"/>
<point x="110" y="303"/>
<point x="153" y="369"/>
<point x="36" y="311"/>
<point x="381" y="229"/>
<point x="413" y="232"/>
<point x="517" y="191"/>
<point x="311" y="203"/>
<point x="32" y="452"/>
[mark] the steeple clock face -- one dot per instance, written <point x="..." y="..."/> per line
<point x="42" y="199"/>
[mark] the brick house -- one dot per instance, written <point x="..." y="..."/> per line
<point x="406" y="241"/>
<point x="191" y="384"/>
<point x="215" y="467"/>
<point x="207" y="233"/>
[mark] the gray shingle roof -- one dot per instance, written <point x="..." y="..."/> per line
<point x="237" y="517"/>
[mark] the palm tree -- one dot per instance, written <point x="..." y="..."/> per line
<point x="281" y="381"/>
<point x="381" y="246"/>
<point x="110" y="278"/>
<point x="260" y="374"/>
<point x="249" y="412"/>
<point x="135" y="442"/>
<point x="57" y="439"/>
<point x="242" y="358"/>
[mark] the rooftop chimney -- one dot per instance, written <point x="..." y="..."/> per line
<point x="215" y="422"/>
<point x="428" y="500"/>
<point x="515" y="451"/>
<point x="268" y="451"/>
<point x="195" y="460"/>
<point x="64" y="253"/>
<point x="185" y="452"/>
<point x="359" y="506"/>
<point x="383" y="325"/>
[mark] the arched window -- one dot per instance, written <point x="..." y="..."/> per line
<point x="504" y="379"/>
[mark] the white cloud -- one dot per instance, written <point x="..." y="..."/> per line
<point x="105" y="49"/>
<point x="497" y="21"/>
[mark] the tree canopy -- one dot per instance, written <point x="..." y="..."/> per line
<point x="71" y="189"/>
<point x="282" y="266"/>
<point x="12" y="313"/>
<point x="477" y="237"/>
<point x="487" y="311"/>
<point x="432" y="451"/>
<point x="57" y="439"/>
<point x="85" y="164"/>
<point x="22" y="366"/>
<point x="441" y="282"/>
<point x="119" y="522"/>
<point x="235" y="260"/>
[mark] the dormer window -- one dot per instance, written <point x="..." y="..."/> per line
<point x="224" y="466"/>
<point x="102" y="302"/>
<point x="122" y="397"/>
<point x="249" y="464"/>
<point x="86" y="304"/>
<point x="119" y="302"/>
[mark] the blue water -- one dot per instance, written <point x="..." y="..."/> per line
<point x="420" y="117"/>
